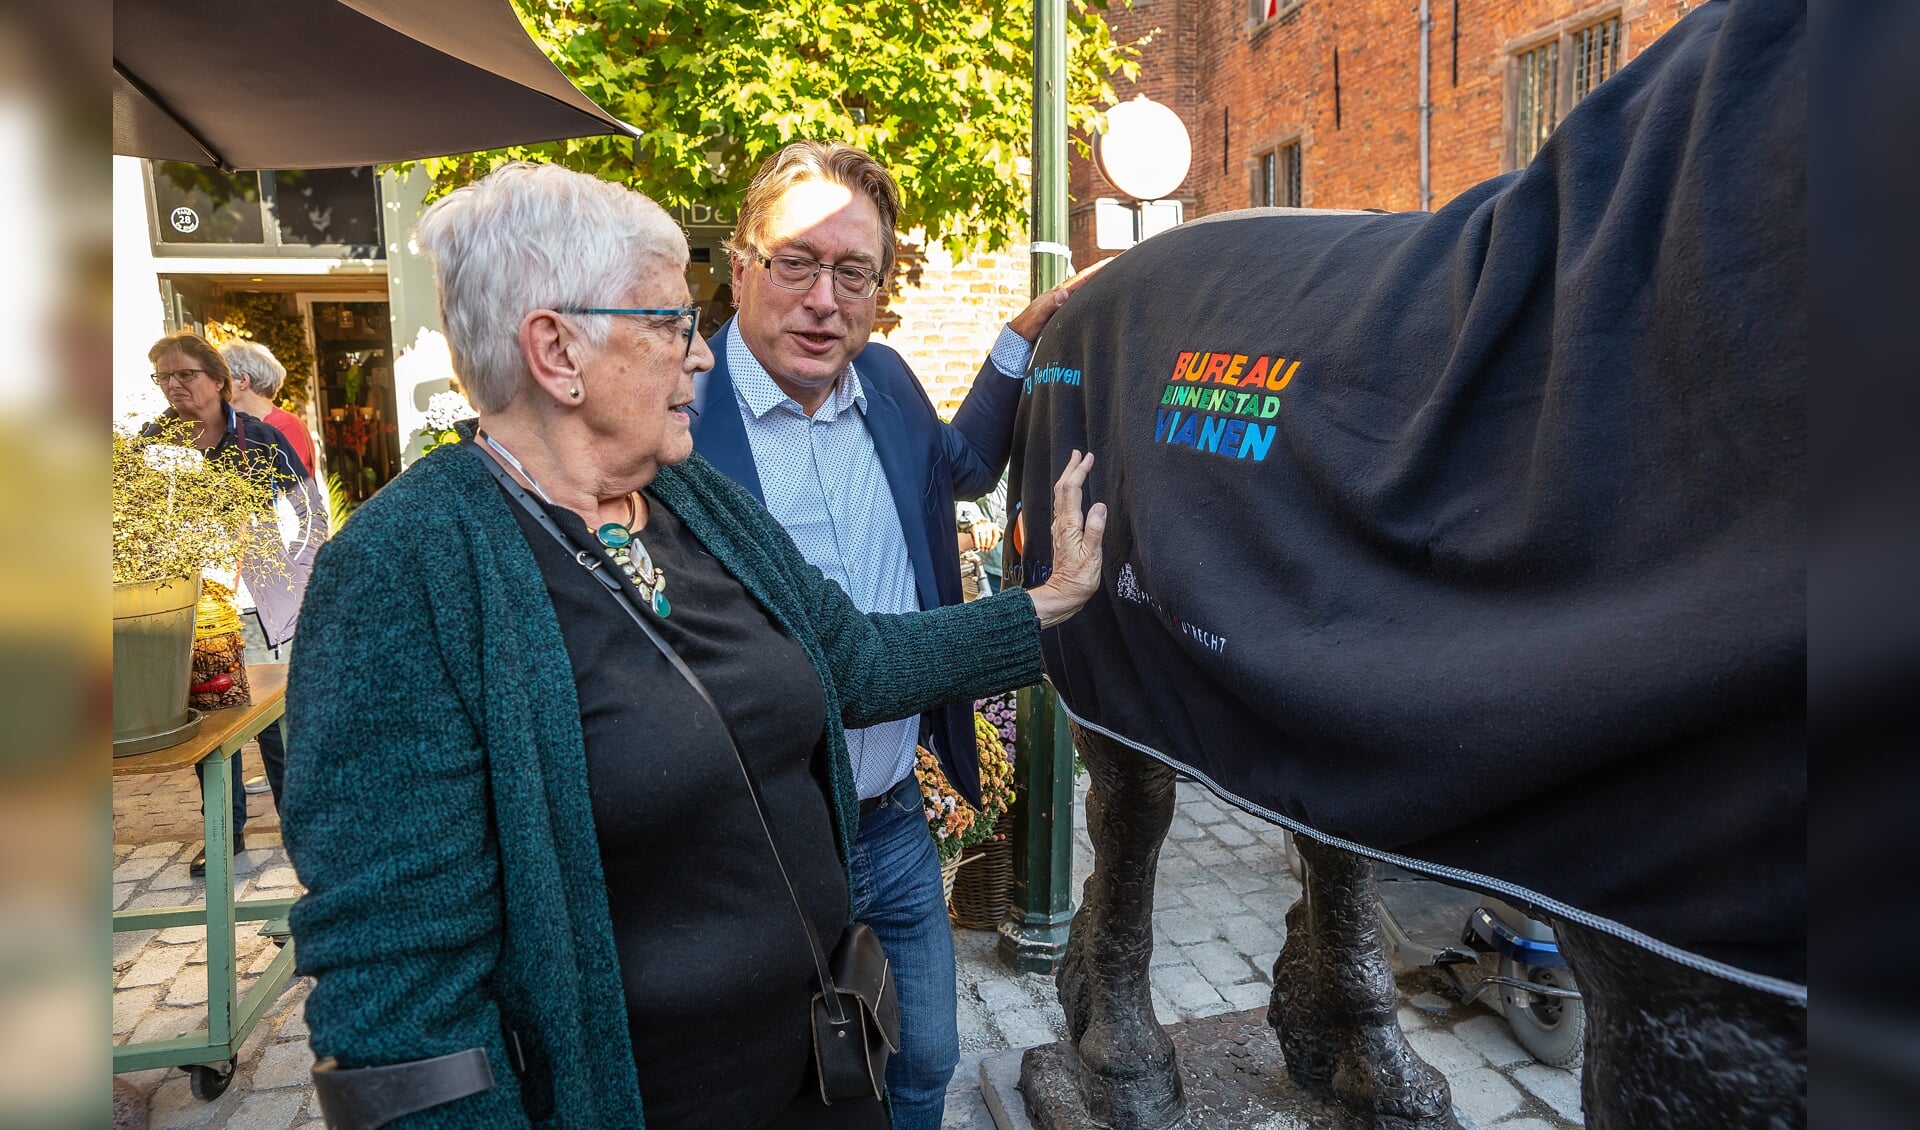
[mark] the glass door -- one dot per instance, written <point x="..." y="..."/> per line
<point x="353" y="363"/>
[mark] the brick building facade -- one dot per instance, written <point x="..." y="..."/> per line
<point x="943" y="316"/>
<point x="1318" y="103"/>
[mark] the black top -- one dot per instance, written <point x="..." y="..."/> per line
<point x="718" y="976"/>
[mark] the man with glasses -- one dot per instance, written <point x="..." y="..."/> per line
<point x="836" y="436"/>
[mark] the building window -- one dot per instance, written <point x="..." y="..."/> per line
<point x="1596" y="55"/>
<point x="1260" y="11"/>
<point x="1544" y="90"/>
<point x="1536" y="101"/>
<point x="1276" y="177"/>
<point x="334" y="213"/>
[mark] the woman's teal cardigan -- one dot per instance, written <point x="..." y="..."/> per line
<point x="436" y="800"/>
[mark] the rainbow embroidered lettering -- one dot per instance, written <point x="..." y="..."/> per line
<point x="1216" y="402"/>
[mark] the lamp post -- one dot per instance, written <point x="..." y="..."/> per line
<point x="1145" y="152"/>
<point x="1033" y="938"/>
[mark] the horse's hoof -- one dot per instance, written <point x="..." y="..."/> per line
<point x="1149" y="1099"/>
<point x="1381" y="1075"/>
<point x="1129" y="1075"/>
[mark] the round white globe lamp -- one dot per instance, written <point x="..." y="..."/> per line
<point x="1144" y="151"/>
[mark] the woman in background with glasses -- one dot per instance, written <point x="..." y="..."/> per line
<point x="273" y="575"/>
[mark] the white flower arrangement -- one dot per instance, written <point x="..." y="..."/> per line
<point x="444" y="410"/>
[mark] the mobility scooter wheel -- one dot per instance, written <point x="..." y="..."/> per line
<point x="1552" y="1029"/>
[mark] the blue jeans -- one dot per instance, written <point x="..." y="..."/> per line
<point x="273" y="749"/>
<point x="896" y="883"/>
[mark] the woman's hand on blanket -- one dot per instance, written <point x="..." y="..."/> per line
<point x="1076" y="547"/>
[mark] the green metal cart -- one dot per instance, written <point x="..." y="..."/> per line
<point x="208" y="1053"/>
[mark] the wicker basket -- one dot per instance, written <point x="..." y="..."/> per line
<point x="980" y="897"/>
<point x="948" y="871"/>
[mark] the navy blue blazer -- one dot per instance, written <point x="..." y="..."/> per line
<point x="928" y="464"/>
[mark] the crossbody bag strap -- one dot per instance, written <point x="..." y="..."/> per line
<point x="594" y="565"/>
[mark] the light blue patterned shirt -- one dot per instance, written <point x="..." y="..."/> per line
<point x="823" y="482"/>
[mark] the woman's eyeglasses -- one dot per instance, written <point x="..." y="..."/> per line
<point x="690" y="313"/>
<point x="172" y="375"/>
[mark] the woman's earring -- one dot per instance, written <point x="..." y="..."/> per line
<point x="574" y="392"/>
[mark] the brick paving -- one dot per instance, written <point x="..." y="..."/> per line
<point x="1220" y="919"/>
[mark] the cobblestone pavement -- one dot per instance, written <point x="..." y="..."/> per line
<point x="1220" y="905"/>
<point x="1221" y="902"/>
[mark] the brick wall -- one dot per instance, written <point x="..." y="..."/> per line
<point x="943" y="315"/>
<point x="1242" y="90"/>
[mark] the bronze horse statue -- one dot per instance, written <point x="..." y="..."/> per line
<point x="1472" y="542"/>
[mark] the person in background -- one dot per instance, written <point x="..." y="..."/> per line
<point x="979" y="545"/>
<point x="717" y="310"/>
<point x="835" y="434"/>
<point x="992" y="538"/>
<point x="577" y="871"/>
<point x="257" y="378"/>
<point x="199" y="388"/>
<point x="972" y="579"/>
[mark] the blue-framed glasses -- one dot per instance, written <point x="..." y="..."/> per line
<point x="690" y="313"/>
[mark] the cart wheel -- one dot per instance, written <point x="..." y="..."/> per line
<point x="208" y="1081"/>
<point x="1552" y="1029"/>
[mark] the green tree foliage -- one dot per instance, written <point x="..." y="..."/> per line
<point x="939" y="90"/>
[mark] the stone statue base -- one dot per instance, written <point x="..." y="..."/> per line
<point x="1231" y="1070"/>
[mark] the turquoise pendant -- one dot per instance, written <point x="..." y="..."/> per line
<point x="630" y="554"/>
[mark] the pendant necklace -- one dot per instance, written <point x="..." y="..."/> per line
<point x="631" y="555"/>
<point x="621" y="543"/>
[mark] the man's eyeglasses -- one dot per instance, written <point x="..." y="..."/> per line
<point x="690" y="313"/>
<point x="791" y="273"/>
<point x="171" y="375"/>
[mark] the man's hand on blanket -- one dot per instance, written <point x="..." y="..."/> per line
<point x="1029" y="322"/>
<point x="1076" y="547"/>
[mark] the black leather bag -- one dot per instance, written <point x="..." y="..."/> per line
<point x="856" y="1008"/>
<point x="851" y="1043"/>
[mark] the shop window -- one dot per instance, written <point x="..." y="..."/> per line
<point x="1276" y="177"/>
<point x="1543" y="90"/>
<point x="299" y="212"/>
<point x="200" y="204"/>
<point x="327" y="207"/>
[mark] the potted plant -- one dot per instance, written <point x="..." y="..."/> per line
<point x="957" y="826"/>
<point x="174" y="514"/>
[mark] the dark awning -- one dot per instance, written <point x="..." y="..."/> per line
<point x="269" y="84"/>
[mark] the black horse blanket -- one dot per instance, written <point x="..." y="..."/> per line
<point x="1476" y="539"/>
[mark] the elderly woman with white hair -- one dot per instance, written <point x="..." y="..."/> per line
<point x="258" y="377"/>
<point x="575" y="879"/>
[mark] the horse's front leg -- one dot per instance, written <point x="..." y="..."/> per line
<point x="1334" y="1001"/>
<point x="1128" y="1076"/>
